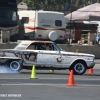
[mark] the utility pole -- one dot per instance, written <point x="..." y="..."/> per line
<point x="70" y="20"/>
<point x="84" y="3"/>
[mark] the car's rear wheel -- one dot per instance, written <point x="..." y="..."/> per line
<point x="79" y="68"/>
<point x="14" y="65"/>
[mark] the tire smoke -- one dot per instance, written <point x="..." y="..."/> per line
<point x="6" y="69"/>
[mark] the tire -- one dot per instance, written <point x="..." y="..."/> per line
<point x="79" y="68"/>
<point x="15" y="65"/>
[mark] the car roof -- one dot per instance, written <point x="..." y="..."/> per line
<point x="37" y="41"/>
<point x="24" y="44"/>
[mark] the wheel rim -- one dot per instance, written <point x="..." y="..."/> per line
<point x="79" y="68"/>
<point x="15" y="65"/>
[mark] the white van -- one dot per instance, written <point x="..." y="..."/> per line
<point x="41" y="25"/>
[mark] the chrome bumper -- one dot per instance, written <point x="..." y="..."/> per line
<point x="92" y="64"/>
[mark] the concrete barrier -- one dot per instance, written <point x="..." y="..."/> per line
<point x="72" y="48"/>
<point x="83" y="49"/>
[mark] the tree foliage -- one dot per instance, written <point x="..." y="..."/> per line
<point x="58" y="5"/>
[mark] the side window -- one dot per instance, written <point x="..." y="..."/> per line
<point x="14" y="16"/>
<point x="58" y="23"/>
<point x="37" y="46"/>
<point x="25" y="20"/>
<point x="50" y="47"/>
<point x="41" y="46"/>
<point x="32" y="46"/>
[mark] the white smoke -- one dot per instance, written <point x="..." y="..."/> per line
<point x="6" y="69"/>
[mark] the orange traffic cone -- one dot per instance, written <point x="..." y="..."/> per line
<point x="90" y="71"/>
<point x="71" y="79"/>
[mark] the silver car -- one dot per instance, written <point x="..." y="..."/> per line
<point x="46" y="55"/>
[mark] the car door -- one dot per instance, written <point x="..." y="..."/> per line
<point x="33" y="55"/>
<point x="30" y="57"/>
<point x="40" y="47"/>
<point x="51" y="56"/>
<point x="44" y="57"/>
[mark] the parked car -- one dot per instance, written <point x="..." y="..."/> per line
<point x="46" y="55"/>
<point x="98" y="39"/>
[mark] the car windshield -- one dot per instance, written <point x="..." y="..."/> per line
<point x="59" y="48"/>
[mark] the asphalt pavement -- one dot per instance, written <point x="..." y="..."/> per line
<point x="50" y="85"/>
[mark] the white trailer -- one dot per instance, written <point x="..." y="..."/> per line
<point x="41" y="25"/>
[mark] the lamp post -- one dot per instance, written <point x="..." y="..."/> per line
<point x="70" y="21"/>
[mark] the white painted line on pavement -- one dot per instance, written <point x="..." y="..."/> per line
<point x="31" y="84"/>
<point x="58" y="85"/>
<point x="84" y="78"/>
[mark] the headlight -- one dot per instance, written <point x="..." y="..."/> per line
<point x="92" y="58"/>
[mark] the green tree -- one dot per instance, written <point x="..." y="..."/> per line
<point x="46" y="4"/>
<point x="58" y="5"/>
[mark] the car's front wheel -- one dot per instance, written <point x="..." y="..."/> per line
<point x="79" y="68"/>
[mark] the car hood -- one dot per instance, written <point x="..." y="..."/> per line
<point x="62" y="52"/>
<point x="77" y="54"/>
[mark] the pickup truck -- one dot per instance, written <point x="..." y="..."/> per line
<point x="45" y="55"/>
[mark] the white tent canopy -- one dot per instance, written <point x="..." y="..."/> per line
<point x="90" y="12"/>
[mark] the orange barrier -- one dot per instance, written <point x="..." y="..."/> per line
<point x="90" y="71"/>
<point x="71" y="79"/>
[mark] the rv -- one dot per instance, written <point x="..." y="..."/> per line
<point x="8" y="21"/>
<point x="41" y="25"/>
